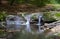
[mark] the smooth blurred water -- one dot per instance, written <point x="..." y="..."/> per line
<point x="13" y="24"/>
<point x="28" y="28"/>
<point x="17" y="22"/>
<point x="39" y="23"/>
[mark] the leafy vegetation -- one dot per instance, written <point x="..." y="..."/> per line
<point x="54" y="2"/>
<point x="32" y="2"/>
<point x="2" y="33"/>
<point x="48" y="16"/>
<point x="57" y="16"/>
<point x="2" y="16"/>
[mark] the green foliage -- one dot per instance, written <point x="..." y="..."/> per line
<point x="48" y="16"/>
<point x="11" y="2"/>
<point x="57" y="15"/>
<point x="2" y="33"/>
<point x="55" y="7"/>
<point x="34" y="17"/>
<point x="53" y="1"/>
<point x="33" y="2"/>
<point x="39" y="3"/>
<point x="2" y="16"/>
<point x="58" y="34"/>
<point x="58" y="1"/>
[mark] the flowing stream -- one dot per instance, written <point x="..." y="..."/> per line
<point x="28" y="28"/>
<point x="15" y="22"/>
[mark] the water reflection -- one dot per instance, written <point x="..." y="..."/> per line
<point x="28" y="28"/>
<point x="16" y="22"/>
<point x="39" y="23"/>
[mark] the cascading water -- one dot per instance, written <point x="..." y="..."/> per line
<point x="17" y="22"/>
<point x="28" y="28"/>
<point x="39" y="23"/>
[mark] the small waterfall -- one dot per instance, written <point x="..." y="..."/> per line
<point x="39" y="23"/>
<point x="16" y="23"/>
<point x="28" y="28"/>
